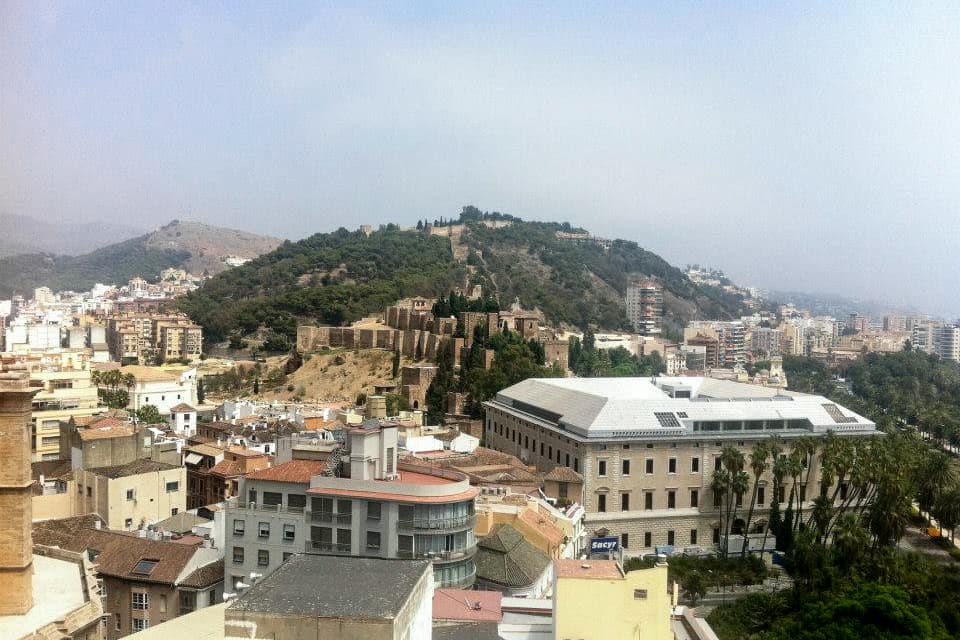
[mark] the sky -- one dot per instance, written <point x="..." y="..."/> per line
<point x="813" y="147"/>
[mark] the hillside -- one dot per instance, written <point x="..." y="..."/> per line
<point x="332" y="278"/>
<point x="192" y="245"/>
<point x="23" y="234"/>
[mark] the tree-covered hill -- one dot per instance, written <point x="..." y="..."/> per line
<point x="338" y="277"/>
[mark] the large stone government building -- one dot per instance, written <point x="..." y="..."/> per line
<point x="648" y="447"/>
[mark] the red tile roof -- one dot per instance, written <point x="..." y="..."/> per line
<point x="563" y="474"/>
<point x="181" y="408"/>
<point x="298" y="471"/>
<point x="227" y="469"/>
<point x="461" y="604"/>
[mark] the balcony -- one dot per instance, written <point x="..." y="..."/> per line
<point x="439" y="556"/>
<point x="437" y="525"/>
<point x="233" y="503"/>
<point x="335" y="518"/>
<point x="330" y="547"/>
<point x="464" y="582"/>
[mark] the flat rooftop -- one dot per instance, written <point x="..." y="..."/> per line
<point x="202" y="624"/>
<point x="57" y="590"/>
<point x="334" y="587"/>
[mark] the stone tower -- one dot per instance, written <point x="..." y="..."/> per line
<point x="16" y="488"/>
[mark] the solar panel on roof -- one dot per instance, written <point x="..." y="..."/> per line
<point x="666" y="419"/>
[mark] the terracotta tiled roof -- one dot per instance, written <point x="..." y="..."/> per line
<point x="108" y="428"/>
<point x="243" y="452"/>
<point x="133" y="468"/>
<point x="592" y="569"/>
<point x="149" y="374"/>
<point x="50" y="470"/>
<point x="181" y="408"/>
<point x="204" y="450"/>
<point x="117" y="554"/>
<point x="299" y="471"/>
<point x="205" y="576"/>
<point x="462" y="604"/>
<point x="543" y="525"/>
<point x="61" y="532"/>
<point x="505" y="558"/>
<point x="563" y="474"/>
<point x="227" y="469"/>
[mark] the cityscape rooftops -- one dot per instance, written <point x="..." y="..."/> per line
<point x="588" y="569"/>
<point x="505" y="558"/>
<point x="306" y="585"/>
<point x="412" y="483"/>
<point x="464" y="604"/>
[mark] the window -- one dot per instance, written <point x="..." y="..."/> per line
<point x="405" y="545"/>
<point x="648" y="465"/>
<point x="139" y="601"/>
<point x="373" y="540"/>
<point x="131" y="494"/>
<point x="576" y="464"/>
<point x="238" y="555"/>
<point x="602" y="468"/>
<point x="672" y="465"/>
<point x="296" y="502"/>
<point x="624" y="502"/>
<point x="693" y="536"/>
<point x="173" y="486"/>
<point x="373" y="510"/>
<point x="670" y="538"/>
<point x="286" y="555"/>
<point x="567" y="458"/>
<point x="174" y="511"/>
<point x="263" y="530"/>
<point x="671" y="499"/>
<point x="144" y="567"/>
<point x="252" y="496"/>
<point x="781" y="494"/>
<point x="263" y="557"/>
<point x="272" y="498"/>
<point x="188" y="601"/>
<point x="163" y="603"/>
<point x="289" y="531"/>
<point x="694" y="498"/>
<point x="139" y="624"/>
<point x="625" y="467"/>
<point x="625" y="540"/>
<point x="390" y="459"/>
<point x="128" y="524"/>
<point x="239" y="526"/>
<point x="716" y="535"/>
<point x="761" y="496"/>
<point x="116" y="624"/>
<point x="647" y="539"/>
<point x="648" y="501"/>
<point x="717" y="464"/>
<point x="639" y="594"/>
<point x="602" y="502"/>
<point x="90" y="493"/>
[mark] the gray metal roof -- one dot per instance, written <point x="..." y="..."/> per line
<point x="335" y="587"/>
<point x="597" y="407"/>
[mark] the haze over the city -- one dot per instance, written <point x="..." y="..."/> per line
<point x="811" y="148"/>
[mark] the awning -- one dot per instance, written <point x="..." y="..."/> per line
<point x="192" y="458"/>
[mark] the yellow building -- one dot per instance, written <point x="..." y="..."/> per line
<point x="596" y="600"/>
<point x="64" y="393"/>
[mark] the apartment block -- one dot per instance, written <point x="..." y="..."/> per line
<point x="131" y="495"/>
<point x="644" y="301"/>
<point x="63" y="394"/>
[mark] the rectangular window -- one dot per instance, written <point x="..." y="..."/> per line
<point x="670" y="538"/>
<point x="624" y="502"/>
<point x="239" y="526"/>
<point x="139" y="624"/>
<point x="343" y="540"/>
<point x="625" y="540"/>
<point x="602" y="502"/>
<point x="639" y="594"/>
<point x="672" y="465"/>
<point x="649" y="465"/>
<point x="567" y="458"/>
<point x="373" y="540"/>
<point x="781" y="494"/>
<point x="694" y="498"/>
<point x="238" y="555"/>
<point x="716" y="535"/>
<point x="188" y="601"/>
<point x="693" y="536"/>
<point x="647" y="539"/>
<point x="671" y="499"/>
<point x="390" y="459"/>
<point x="163" y="603"/>
<point x="289" y="532"/>
<point x="648" y="501"/>
<point x="602" y="468"/>
<point x="405" y="546"/>
<point x="117" y="623"/>
<point x="128" y="524"/>
<point x="717" y="463"/>
<point x="252" y="496"/>
<point x="272" y="498"/>
<point x="131" y="494"/>
<point x="373" y="510"/>
<point x="173" y="486"/>
<point x="286" y="555"/>
<point x="761" y="496"/>
<point x="140" y="601"/>
<point x="576" y="464"/>
<point x="625" y="467"/>
<point x="296" y="502"/>
<point x="263" y="557"/>
<point x="263" y="530"/>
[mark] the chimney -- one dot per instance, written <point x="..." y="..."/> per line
<point x="16" y="484"/>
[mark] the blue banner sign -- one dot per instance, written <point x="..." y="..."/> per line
<point x="603" y="545"/>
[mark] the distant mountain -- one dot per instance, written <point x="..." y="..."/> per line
<point x="332" y="278"/>
<point x="194" y="246"/>
<point x="836" y="305"/>
<point x="23" y="234"/>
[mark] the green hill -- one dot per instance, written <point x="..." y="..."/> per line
<point x="338" y="277"/>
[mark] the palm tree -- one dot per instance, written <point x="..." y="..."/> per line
<point x="779" y="472"/>
<point x="758" y="465"/>
<point x="947" y="509"/>
<point x="850" y="540"/>
<point x="720" y="486"/>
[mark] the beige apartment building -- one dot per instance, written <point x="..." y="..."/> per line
<point x="64" y="393"/>
<point x="647" y="447"/>
<point x="139" y="337"/>
<point x="130" y="495"/>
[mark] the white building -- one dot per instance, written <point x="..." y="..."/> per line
<point x="162" y="387"/>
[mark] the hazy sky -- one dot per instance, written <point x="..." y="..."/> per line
<point x="813" y="148"/>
